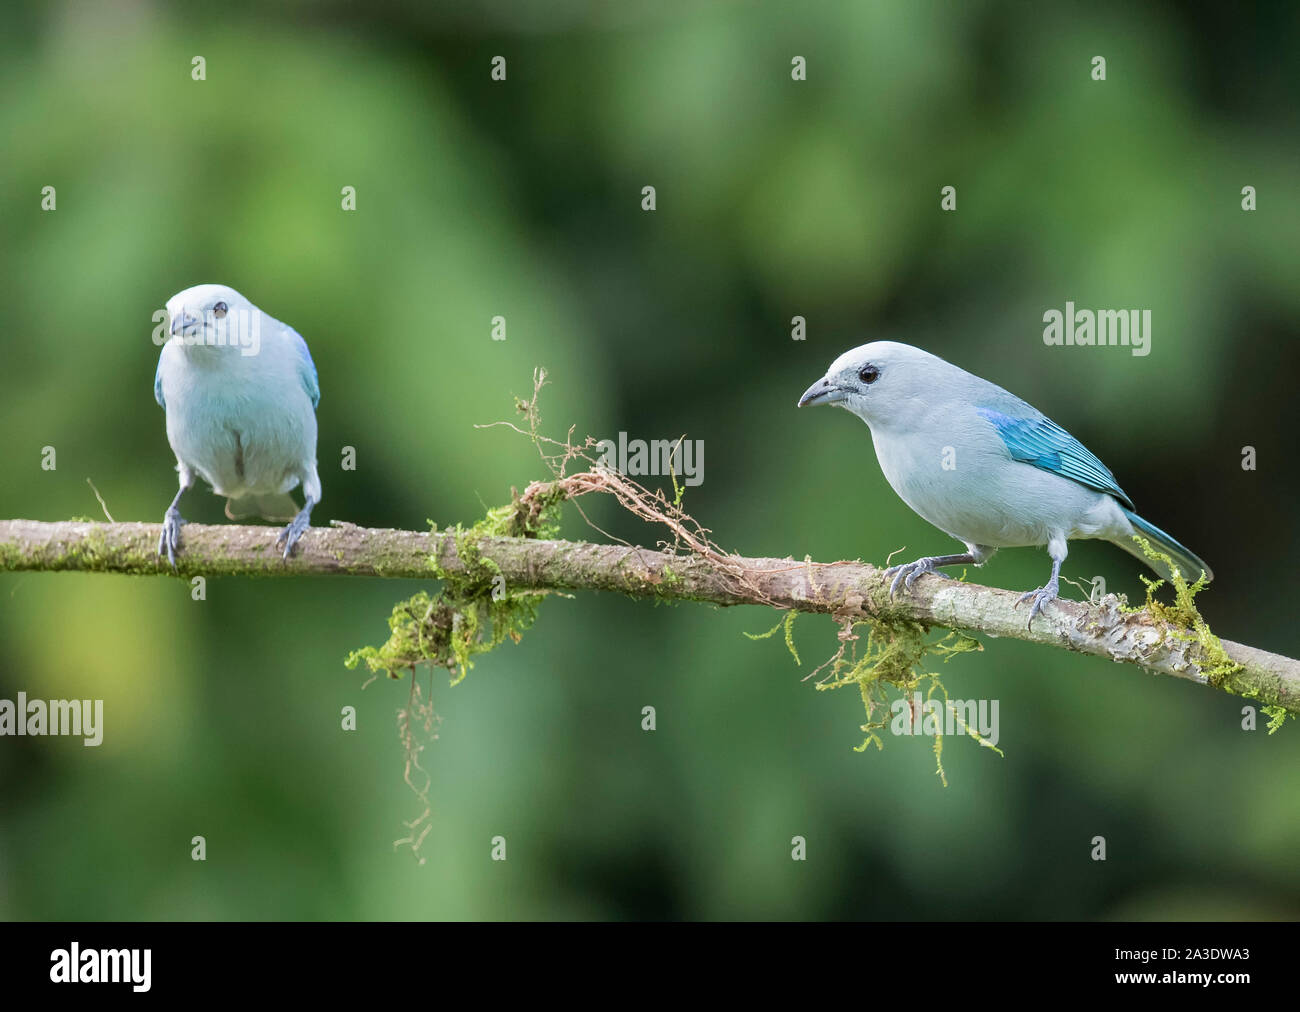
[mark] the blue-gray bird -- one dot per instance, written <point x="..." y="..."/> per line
<point x="240" y="391"/>
<point x="983" y="466"/>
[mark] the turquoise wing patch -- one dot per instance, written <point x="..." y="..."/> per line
<point x="306" y="368"/>
<point x="1043" y="443"/>
<point x="157" y="385"/>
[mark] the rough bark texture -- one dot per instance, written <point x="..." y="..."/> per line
<point x="840" y="589"/>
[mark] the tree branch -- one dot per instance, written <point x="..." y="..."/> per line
<point x="844" y="590"/>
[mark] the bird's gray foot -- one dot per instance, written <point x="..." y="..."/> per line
<point x="297" y="527"/>
<point x="1040" y="597"/>
<point x="170" y="539"/>
<point x="908" y="573"/>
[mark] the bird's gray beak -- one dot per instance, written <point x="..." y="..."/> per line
<point x="182" y="323"/>
<point x="821" y="392"/>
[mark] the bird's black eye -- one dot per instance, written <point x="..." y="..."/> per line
<point x="219" y="310"/>
<point x="868" y="374"/>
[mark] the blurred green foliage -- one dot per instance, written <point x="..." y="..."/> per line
<point x="522" y="199"/>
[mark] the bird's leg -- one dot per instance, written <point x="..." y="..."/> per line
<point x="170" y="539"/>
<point x="290" y="535"/>
<point x="908" y="572"/>
<point x="1051" y="590"/>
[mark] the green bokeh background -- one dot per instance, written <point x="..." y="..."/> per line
<point x="522" y="199"/>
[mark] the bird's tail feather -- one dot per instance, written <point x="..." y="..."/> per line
<point x="1189" y="564"/>
<point x="278" y="506"/>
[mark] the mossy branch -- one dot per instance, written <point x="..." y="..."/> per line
<point x="1148" y="638"/>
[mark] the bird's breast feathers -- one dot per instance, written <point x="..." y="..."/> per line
<point x="245" y="423"/>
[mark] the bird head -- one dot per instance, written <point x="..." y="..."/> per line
<point x="881" y="382"/>
<point x="213" y="316"/>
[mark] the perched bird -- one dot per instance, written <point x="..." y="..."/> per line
<point x="240" y="391"/>
<point x="983" y="466"/>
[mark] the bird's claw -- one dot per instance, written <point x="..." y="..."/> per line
<point x="170" y="539"/>
<point x="295" y="530"/>
<point x="908" y="573"/>
<point x="1040" y="597"/>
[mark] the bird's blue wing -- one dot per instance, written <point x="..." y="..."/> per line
<point x="306" y="367"/>
<point x="157" y="385"/>
<point x="1043" y="443"/>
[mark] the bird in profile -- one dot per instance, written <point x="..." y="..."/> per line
<point x="984" y="466"/>
<point x="240" y="392"/>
